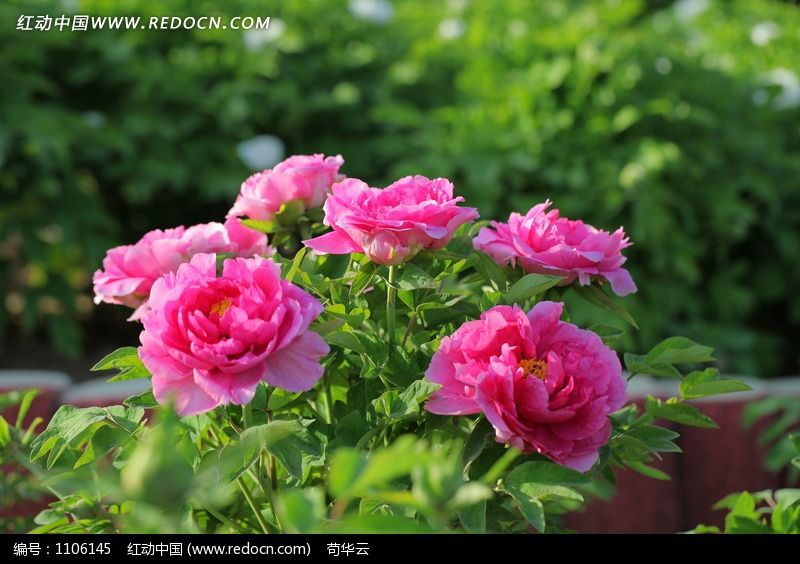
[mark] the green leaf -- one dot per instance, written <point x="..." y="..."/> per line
<point x="657" y="439"/>
<point x="144" y="400"/>
<point x="25" y="406"/>
<point x="127" y="361"/>
<point x="596" y="296"/>
<point x="530" y="285"/>
<point x="292" y="444"/>
<point x="608" y="333"/>
<point x="413" y="277"/>
<point x="290" y="212"/>
<point x="267" y="227"/>
<point x="704" y="383"/>
<point x="105" y="440"/>
<point x="680" y="412"/>
<point x="648" y="471"/>
<point x="347" y="465"/>
<point x="350" y="476"/>
<point x="489" y="270"/>
<point x="473" y="518"/>
<point x="636" y="364"/>
<point x="679" y="350"/>
<point x="117" y="359"/>
<point x="397" y="405"/>
<point x="70" y="422"/>
<point x="362" y="279"/>
<point x="5" y="435"/>
<point x="296" y="262"/>
<point x="533" y="482"/>
<point x="299" y="511"/>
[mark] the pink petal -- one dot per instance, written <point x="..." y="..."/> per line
<point x="335" y="243"/>
<point x="621" y="282"/>
<point x="296" y="367"/>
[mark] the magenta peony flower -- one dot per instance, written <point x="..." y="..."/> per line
<point x="545" y="243"/>
<point x="545" y="385"/>
<point x="129" y="271"/>
<point x="392" y="225"/>
<point x="307" y="178"/>
<point x="210" y="340"/>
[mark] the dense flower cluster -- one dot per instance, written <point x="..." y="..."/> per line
<point x="211" y="335"/>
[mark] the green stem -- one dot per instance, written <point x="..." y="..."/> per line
<point x="411" y="320"/>
<point x="328" y="398"/>
<point x="391" y="294"/>
<point x="273" y="466"/>
<point x="252" y="503"/>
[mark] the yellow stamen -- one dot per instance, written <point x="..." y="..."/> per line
<point x="534" y="367"/>
<point x="222" y="306"/>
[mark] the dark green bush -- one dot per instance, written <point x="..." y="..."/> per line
<point x="669" y="119"/>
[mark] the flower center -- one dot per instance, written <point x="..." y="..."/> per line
<point x="222" y="306"/>
<point x="534" y="367"/>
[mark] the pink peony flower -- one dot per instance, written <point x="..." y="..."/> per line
<point x="545" y="385"/>
<point x="210" y="340"/>
<point x="129" y="271"/>
<point x="307" y="178"/>
<point x="391" y="225"/>
<point x="545" y="243"/>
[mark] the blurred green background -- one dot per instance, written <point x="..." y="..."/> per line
<point x="679" y="120"/>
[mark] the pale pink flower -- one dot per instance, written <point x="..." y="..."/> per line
<point x="209" y="340"/>
<point x="304" y="178"/>
<point x="129" y="271"/>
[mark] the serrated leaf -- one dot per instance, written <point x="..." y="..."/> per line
<point x="704" y="383"/>
<point x="530" y="285"/>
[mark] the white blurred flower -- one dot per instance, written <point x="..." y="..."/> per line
<point x="375" y="11"/>
<point x="94" y="119"/>
<point x="689" y="9"/>
<point x="790" y="88"/>
<point x="254" y="39"/>
<point x="262" y="151"/>
<point x="452" y="28"/>
<point x="663" y="65"/>
<point x="764" y="32"/>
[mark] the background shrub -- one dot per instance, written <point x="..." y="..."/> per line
<point x="677" y="120"/>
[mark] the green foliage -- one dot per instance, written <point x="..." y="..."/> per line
<point x="781" y="434"/>
<point x="620" y="112"/>
<point x="759" y="513"/>
<point x="358" y="453"/>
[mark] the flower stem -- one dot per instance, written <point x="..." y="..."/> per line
<point x="252" y="503"/>
<point x="391" y="294"/>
